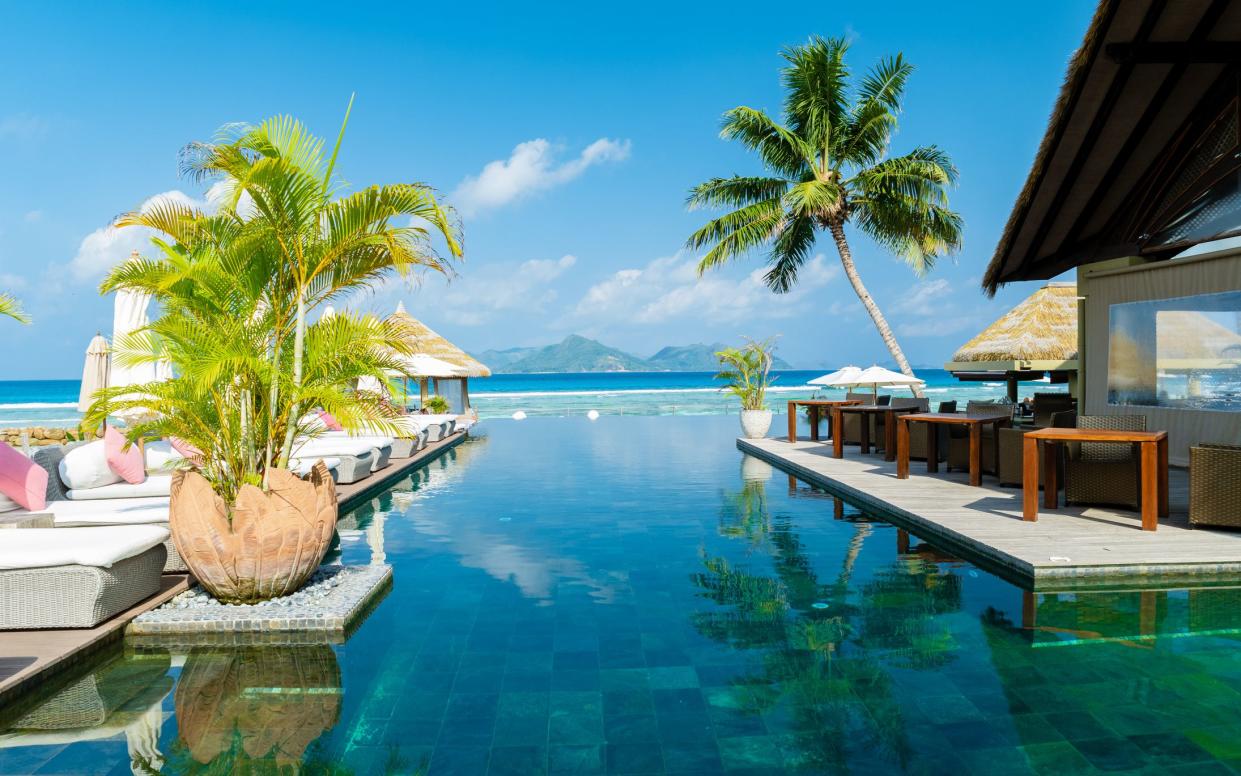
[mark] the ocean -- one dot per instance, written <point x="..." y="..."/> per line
<point x="54" y="402"/>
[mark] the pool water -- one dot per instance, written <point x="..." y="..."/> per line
<point x="634" y="595"/>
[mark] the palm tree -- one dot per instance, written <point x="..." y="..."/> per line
<point x="827" y="168"/>
<point x="10" y="307"/>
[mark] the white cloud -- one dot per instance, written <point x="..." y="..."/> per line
<point x="33" y="215"/>
<point x="9" y="282"/>
<point x="924" y="299"/>
<point x="531" y="167"/>
<point x="476" y="297"/>
<point x="22" y="127"/>
<point x="107" y="246"/>
<point x="669" y="289"/>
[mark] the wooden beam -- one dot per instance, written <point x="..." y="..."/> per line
<point x="1179" y="53"/>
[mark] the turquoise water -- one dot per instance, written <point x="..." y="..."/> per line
<point x="635" y="596"/>
<point x="54" y="402"/>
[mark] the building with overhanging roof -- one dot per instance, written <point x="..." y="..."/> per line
<point x="1137" y="186"/>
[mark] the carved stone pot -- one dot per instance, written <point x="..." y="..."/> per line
<point x="273" y="542"/>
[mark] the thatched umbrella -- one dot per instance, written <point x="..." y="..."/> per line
<point x="426" y="342"/>
<point x="1037" y="336"/>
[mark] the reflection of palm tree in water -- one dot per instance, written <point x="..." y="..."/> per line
<point x="827" y="646"/>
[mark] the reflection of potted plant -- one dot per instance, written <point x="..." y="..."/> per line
<point x="747" y="372"/>
<point x="436" y="405"/>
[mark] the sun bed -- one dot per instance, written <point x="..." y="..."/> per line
<point x="357" y="458"/>
<point x="77" y="577"/>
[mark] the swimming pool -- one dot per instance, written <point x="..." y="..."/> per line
<point x="634" y="595"/>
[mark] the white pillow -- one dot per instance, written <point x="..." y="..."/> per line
<point x="87" y="467"/>
<point x="160" y="456"/>
<point x="7" y="504"/>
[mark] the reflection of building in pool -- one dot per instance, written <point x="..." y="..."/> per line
<point x="122" y="698"/>
<point x="245" y="709"/>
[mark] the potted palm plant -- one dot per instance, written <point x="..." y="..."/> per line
<point x="746" y="371"/>
<point x="237" y="289"/>
<point x="436" y="405"/>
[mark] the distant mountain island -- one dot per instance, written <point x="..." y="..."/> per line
<point x="581" y="354"/>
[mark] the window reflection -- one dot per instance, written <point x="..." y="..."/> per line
<point x="1183" y="352"/>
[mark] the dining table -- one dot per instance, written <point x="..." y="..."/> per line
<point x="817" y="408"/>
<point x="1153" y="463"/>
<point x="867" y="411"/>
<point x="974" y="425"/>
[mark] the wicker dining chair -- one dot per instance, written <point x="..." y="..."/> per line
<point x="959" y="437"/>
<point x="1104" y="472"/>
<point x="922" y="405"/>
<point x="1215" y="485"/>
<point x="918" y="432"/>
<point x="853" y="422"/>
<point x="1048" y="404"/>
<point x="1011" y="470"/>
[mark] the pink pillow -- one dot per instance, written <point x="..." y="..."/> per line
<point x="186" y="449"/>
<point x="332" y="423"/>
<point x="21" y="479"/>
<point x="126" y="464"/>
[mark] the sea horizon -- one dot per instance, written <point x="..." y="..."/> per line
<point x="53" y="403"/>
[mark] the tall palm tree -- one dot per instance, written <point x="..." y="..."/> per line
<point x="11" y="308"/>
<point x="827" y="168"/>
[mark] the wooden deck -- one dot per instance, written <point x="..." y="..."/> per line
<point x="31" y="659"/>
<point x="1071" y="547"/>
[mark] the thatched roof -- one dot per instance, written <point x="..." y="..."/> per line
<point x="427" y="342"/>
<point x="1139" y="108"/>
<point x="1041" y="328"/>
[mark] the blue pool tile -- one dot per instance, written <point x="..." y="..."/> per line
<point x="517" y="761"/>
<point x="630" y="728"/>
<point x="575" y="759"/>
<point x="633" y="759"/>
<point x="459" y="761"/>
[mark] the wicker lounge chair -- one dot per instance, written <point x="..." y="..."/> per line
<point x="77" y="513"/>
<point x="77" y="577"/>
<point x="959" y="440"/>
<point x="1104" y="472"/>
<point x="1215" y="485"/>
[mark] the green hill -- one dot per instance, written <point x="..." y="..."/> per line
<point x="576" y="354"/>
<point x="695" y="358"/>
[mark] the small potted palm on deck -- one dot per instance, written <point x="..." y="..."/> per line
<point x="237" y="289"/>
<point x="746" y="371"/>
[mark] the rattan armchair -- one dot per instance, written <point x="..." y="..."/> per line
<point x="1047" y="405"/>
<point x="853" y="422"/>
<point x="1104" y="472"/>
<point x="1215" y="485"/>
<point x="959" y="440"/>
<point x="922" y="405"/>
<point x="918" y="432"/>
<point x="1010" y="470"/>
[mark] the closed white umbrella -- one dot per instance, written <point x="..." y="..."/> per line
<point x="844" y="377"/>
<point x="94" y="372"/>
<point x="129" y="314"/>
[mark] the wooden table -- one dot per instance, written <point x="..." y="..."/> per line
<point x="1153" y="456"/>
<point x="866" y="410"/>
<point x="816" y="407"/>
<point x="973" y="422"/>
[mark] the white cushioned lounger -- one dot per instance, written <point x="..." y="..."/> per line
<point x="345" y="445"/>
<point x="357" y="459"/>
<point x="302" y="466"/>
<point x="153" y="485"/>
<point x="77" y="577"/>
<point x="114" y="511"/>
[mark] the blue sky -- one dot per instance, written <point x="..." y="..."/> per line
<point x="568" y="136"/>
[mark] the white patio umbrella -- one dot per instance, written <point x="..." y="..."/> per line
<point x="844" y="377"/>
<point x="877" y="376"/>
<point x="94" y="372"/>
<point x="129" y="314"/>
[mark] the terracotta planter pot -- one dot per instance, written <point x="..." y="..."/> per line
<point x="273" y="542"/>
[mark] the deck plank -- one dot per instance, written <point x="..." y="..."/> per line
<point x="1067" y="547"/>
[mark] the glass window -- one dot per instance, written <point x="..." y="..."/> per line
<point x="1183" y="352"/>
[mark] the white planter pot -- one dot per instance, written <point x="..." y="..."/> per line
<point x="755" y="423"/>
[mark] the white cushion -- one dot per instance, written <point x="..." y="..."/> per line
<point x="153" y="485"/>
<point x="161" y="456"/>
<point x="86" y="466"/>
<point x="340" y="446"/>
<point x="7" y="504"/>
<point x="302" y="466"/>
<point x="30" y="548"/>
<point x="118" y="511"/>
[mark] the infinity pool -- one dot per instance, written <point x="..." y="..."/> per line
<point x="635" y="596"/>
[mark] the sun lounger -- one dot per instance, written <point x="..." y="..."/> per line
<point x="155" y="485"/>
<point x="341" y="445"/>
<point x="77" y="577"/>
